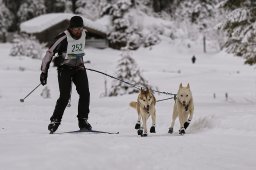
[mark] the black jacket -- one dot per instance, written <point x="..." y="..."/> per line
<point x="59" y="46"/>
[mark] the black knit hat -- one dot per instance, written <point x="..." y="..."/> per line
<point x="76" y="21"/>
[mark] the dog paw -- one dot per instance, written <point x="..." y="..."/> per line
<point x="144" y="135"/>
<point x="182" y="131"/>
<point x="137" y="126"/>
<point x="140" y="131"/>
<point x="152" y="129"/>
<point x="170" y="130"/>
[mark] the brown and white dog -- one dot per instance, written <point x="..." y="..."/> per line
<point x="184" y="108"/>
<point x="145" y="106"/>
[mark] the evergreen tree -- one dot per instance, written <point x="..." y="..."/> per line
<point x="197" y="19"/>
<point x="13" y="6"/>
<point x="128" y="71"/>
<point x="157" y="6"/>
<point x="58" y="5"/>
<point x="90" y="9"/>
<point x="6" y="19"/>
<point x="29" y="46"/>
<point x="197" y="12"/>
<point x="30" y="9"/>
<point x="239" y="27"/>
<point x="68" y="7"/>
<point x="151" y="39"/>
<point x="125" y="33"/>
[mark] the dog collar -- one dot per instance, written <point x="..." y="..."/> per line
<point x="146" y="109"/>
<point x="186" y="107"/>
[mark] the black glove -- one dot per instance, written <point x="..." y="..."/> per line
<point x="43" y="78"/>
<point x="186" y="124"/>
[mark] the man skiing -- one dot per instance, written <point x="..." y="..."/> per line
<point x="70" y="48"/>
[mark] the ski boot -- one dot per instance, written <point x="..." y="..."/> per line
<point x="83" y="124"/>
<point x="53" y="126"/>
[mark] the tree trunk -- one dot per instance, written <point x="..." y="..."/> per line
<point x="156" y="5"/>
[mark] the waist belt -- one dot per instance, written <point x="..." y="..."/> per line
<point x="74" y="56"/>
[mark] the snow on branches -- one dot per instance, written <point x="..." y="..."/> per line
<point x="128" y="71"/>
<point x="125" y="34"/>
<point x="25" y="45"/>
<point x="239" y="27"/>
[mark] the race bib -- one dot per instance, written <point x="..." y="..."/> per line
<point x="75" y="47"/>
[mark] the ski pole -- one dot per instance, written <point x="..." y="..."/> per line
<point x="22" y="100"/>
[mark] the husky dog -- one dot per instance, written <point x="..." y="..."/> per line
<point x="145" y="106"/>
<point x="184" y="108"/>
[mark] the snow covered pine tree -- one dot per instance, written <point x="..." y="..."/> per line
<point x="128" y="71"/>
<point x="124" y="33"/>
<point x="6" y="18"/>
<point x="239" y="26"/>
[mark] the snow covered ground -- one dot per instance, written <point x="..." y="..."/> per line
<point x="222" y="135"/>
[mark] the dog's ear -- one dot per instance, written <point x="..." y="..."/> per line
<point x="188" y="86"/>
<point x="142" y="90"/>
<point x="147" y="89"/>
<point x="180" y="85"/>
<point x="150" y="90"/>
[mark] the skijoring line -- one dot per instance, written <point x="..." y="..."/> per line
<point x="174" y="97"/>
<point x="133" y="85"/>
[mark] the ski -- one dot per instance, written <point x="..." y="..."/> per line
<point x="92" y="131"/>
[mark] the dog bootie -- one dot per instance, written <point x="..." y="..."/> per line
<point x="140" y="131"/>
<point x="182" y="131"/>
<point x="83" y="124"/>
<point x="152" y="129"/>
<point x="170" y="130"/>
<point x="186" y="124"/>
<point x="137" y="125"/>
<point x="144" y="135"/>
<point x="53" y="126"/>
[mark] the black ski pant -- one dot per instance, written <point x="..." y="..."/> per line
<point x="66" y="75"/>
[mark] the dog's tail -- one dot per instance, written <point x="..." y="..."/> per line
<point x="133" y="104"/>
